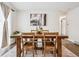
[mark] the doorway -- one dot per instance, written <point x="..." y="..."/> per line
<point x="63" y="25"/>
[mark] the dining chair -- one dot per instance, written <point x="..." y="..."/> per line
<point x="40" y="41"/>
<point x="35" y="41"/>
<point x="50" y="45"/>
<point x="27" y="45"/>
<point x="44" y="31"/>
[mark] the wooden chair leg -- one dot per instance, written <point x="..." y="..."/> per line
<point x="54" y="52"/>
<point x="44" y="53"/>
<point x="42" y="50"/>
<point x="33" y="52"/>
<point x="26" y="51"/>
<point x="23" y="52"/>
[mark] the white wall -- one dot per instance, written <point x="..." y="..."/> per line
<point x="11" y="24"/>
<point x="23" y="19"/>
<point x="73" y="25"/>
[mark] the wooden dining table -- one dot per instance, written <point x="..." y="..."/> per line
<point x="59" y="42"/>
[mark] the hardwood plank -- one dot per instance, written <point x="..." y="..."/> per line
<point x="71" y="46"/>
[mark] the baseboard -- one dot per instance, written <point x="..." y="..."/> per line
<point x="12" y="43"/>
<point x="75" y="42"/>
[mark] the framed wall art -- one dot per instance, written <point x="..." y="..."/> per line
<point x="38" y="19"/>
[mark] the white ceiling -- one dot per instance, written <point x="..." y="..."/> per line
<point x="57" y="6"/>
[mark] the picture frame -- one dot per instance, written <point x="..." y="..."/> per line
<point x="37" y="19"/>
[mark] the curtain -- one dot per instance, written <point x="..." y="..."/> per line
<point x="4" y="40"/>
<point x="2" y="19"/>
<point x="6" y="11"/>
<point x="9" y="19"/>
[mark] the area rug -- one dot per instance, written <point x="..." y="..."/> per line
<point x="65" y="53"/>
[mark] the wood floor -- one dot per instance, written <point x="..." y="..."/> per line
<point x="68" y="44"/>
<point x="71" y="46"/>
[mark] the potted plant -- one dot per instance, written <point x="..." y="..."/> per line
<point x="16" y="32"/>
<point x="39" y="31"/>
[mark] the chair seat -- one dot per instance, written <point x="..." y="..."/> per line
<point x="49" y="44"/>
<point x="48" y="47"/>
<point x="28" y="43"/>
<point x="28" y="46"/>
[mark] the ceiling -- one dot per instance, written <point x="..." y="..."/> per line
<point x="57" y="6"/>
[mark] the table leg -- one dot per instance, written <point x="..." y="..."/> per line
<point x="18" y="47"/>
<point x="59" y="47"/>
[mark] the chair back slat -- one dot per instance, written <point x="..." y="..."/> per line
<point x="51" y="36"/>
<point x="27" y="37"/>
